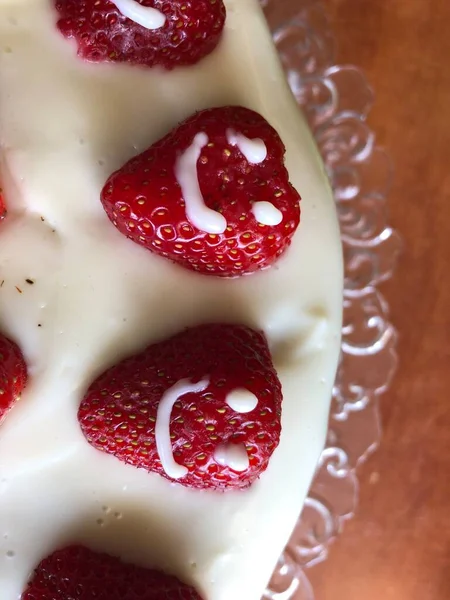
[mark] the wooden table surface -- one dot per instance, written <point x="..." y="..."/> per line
<point x="398" y="546"/>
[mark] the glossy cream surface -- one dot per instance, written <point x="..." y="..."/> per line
<point x="97" y="297"/>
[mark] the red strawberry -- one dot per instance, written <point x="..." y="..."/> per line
<point x="211" y="444"/>
<point x="2" y="206"/>
<point x="191" y="31"/>
<point x="13" y="374"/>
<point x="146" y="202"/>
<point x="76" y="572"/>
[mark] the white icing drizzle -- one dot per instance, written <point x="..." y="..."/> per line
<point x="148" y="17"/>
<point x="162" y="425"/>
<point x="242" y="400"/>
<point x="232" y="455"/>
<point x="266" y="213"/>
<point x="255" y="151"/>
<point x="197" y="212"/>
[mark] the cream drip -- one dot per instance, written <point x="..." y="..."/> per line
<point x="197" y="212"/>
<point x="233" y="456"/>
<point x="162" y="426"/>
<point x="266" y="213"/>
<point x="148" y="17"/>
<point x="254" y="150"/>
<point x="241" y="400"/>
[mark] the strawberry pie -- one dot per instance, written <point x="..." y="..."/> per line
<point x="170" y="301"/>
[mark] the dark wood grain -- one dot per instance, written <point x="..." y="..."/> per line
<point x="398" y="546"/>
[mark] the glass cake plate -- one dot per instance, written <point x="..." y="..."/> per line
<point x="336" y="100"/>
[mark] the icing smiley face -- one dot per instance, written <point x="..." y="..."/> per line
<point x="159" y="411"/>
<point x="212" y="196"/>
<point x="228" y="454"/>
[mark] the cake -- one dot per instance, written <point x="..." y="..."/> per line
<point x="91" y="291"/>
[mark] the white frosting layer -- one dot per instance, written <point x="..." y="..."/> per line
<point x="97" y="297"/>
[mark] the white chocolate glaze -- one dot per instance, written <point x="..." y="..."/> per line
<point x="65" y="126"/>
<point x="148" y="17"/>
<point x="232" y="455"/>
<point x="267" y="213"/>
<point x="255" y="151"/>
<point x="197" y="212"/>
<point x="162" y="425"/>
<point x="242" y="400"/>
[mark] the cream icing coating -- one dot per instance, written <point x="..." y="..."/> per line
<point x="97" y="297"/>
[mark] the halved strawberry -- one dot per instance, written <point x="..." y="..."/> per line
<point x="213" y="195"/>
<point x="202" y="408"/>
<point x="2" y="206"/>
<point x="186" y="30"/>
<point x="79" y="573"/>
<point x="13" y="374"/>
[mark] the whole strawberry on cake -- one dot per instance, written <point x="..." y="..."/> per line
<point x="170" y="301"/>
